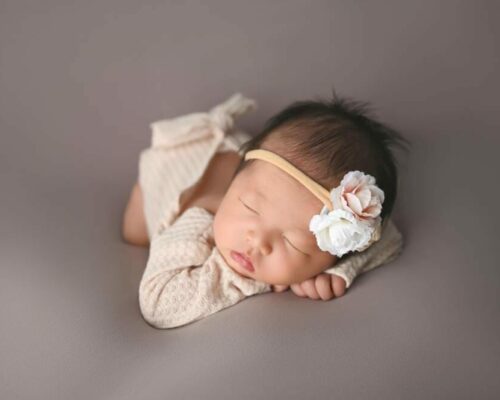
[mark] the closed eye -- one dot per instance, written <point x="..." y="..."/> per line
<point x="291" y="244"/>
<point x="251" y="209"/>
<point x="295" y="247"/>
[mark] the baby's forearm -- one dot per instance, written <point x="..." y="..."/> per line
<point x="381" y="252"/>
<point x="185" y="278"/>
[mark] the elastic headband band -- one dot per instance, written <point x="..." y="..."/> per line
<point x="319" y="191"/>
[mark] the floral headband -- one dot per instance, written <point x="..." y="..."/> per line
<point x="350" y="219"/>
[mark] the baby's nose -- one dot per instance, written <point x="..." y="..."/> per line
<point x="260" y="242"/>
<point x="266" y="249"/>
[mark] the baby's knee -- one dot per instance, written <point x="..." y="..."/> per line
<point x="134" y="229"/>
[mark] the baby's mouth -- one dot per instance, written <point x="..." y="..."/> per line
<point x="242" y="260"/>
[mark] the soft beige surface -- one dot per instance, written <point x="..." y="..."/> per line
<point x="186" y="278"/>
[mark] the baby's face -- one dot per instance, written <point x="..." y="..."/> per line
<point x="265" y="214"/>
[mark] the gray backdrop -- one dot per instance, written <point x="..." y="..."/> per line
<point x="79" y="84"/>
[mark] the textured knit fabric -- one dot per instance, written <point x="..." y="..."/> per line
<point x="186" y="278"/>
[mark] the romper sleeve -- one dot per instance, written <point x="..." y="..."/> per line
<point x="385" y="250"/>
<point x="186" y="278"/>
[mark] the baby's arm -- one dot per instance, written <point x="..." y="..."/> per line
<point x="184" y="279"/>
<point x="379" y="253"/>
<point x="343" y="273"/>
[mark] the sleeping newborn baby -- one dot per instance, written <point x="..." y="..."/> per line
<point x="305" y="205"/>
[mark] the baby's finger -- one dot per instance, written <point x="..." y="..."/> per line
<point x="297" y="290"/>
<point x="324" y="287"/>
<point x="310" y="289"/>
<point x="338" y="285"/>
<point x="280" y="288"/>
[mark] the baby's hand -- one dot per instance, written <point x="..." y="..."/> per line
<point x="323" y="286"/>
<point x="279" y="288"/>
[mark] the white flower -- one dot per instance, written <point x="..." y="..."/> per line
<point x="340" y="232"/>
<point x="354" y="223"/>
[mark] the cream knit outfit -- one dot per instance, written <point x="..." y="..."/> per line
<point x="186" y="278"/>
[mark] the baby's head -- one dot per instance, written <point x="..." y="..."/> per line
<point x="265" y="213"/>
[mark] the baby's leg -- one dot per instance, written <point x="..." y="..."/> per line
<point x="134" y="228"/>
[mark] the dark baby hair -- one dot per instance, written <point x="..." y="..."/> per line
<point x="325" y="139"/>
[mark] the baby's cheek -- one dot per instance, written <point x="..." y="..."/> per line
<point x="218" y="230"/>
<point x="223" y="230"/>
<point x="300" y="273"/>
<point x="281" y="272"/>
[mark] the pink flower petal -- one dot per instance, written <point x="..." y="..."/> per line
<point x="364" y="197"/>
<point x="377" y="192"/>
<point x="358" y="187"/>
<point x="350" y="186"/>
<point x="351" y="180"/>
<point x="373" y="210"/>
<point x="354" y="203"/>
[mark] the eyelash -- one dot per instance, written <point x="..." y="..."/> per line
<point x="251" y="209"/>
<point x="301" y="252"/>
<point x="290" y="243"/>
